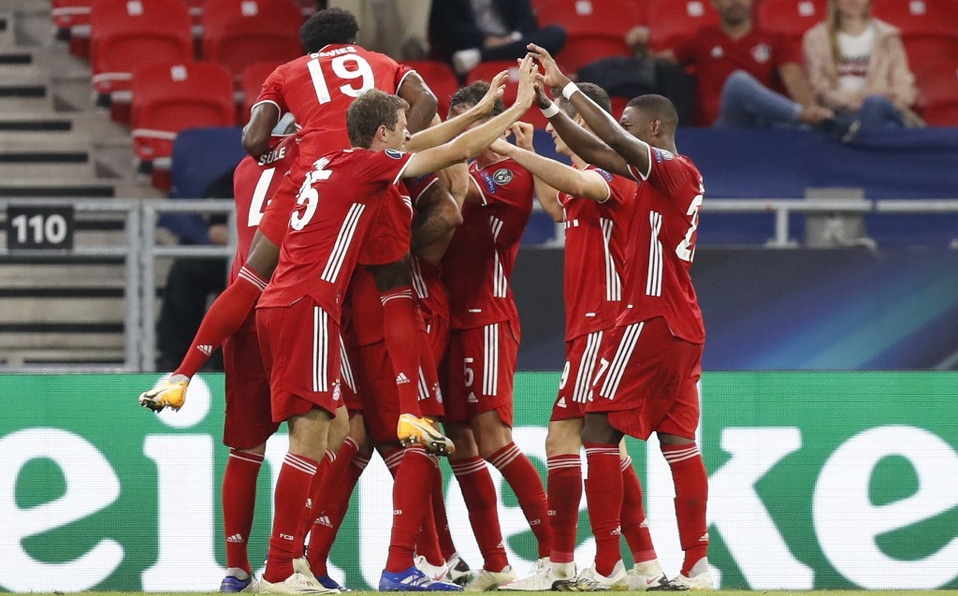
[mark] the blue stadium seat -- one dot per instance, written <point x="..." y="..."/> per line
<point x="200" y="156"/>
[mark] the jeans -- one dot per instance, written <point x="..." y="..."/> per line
<point x="876" y="113"/>
<point x="746" y="102"/>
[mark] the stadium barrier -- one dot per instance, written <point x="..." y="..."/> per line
<point x="817" y="480"/>
<point x="139" y="250"/>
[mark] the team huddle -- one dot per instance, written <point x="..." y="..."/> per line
<point x="369" y="300"/>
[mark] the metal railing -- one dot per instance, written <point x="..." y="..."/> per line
<point x="141" y="251"/>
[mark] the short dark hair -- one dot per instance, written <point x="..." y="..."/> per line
<point x="590" y="90"/>
<point x="328" y="26"/>
<point x="468" y="96"/>
<point x="368" y="112"/>
<point x="658" y="107"/>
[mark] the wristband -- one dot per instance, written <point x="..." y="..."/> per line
<point x="569" y="89"/>
<point x="551" y="111"/>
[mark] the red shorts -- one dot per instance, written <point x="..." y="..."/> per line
<point x="482" y="362"/>
<point x="647" y="381"/>
<point x="379" y="396"/>
<point x="350" y="386"/>
<point x="301" y="350"/>
<point x="248" y="422"/>
<point x="582" y="355"/>
<point x="437" y="328"/>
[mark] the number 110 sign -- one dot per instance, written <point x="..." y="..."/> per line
<point x="39" y="227"/>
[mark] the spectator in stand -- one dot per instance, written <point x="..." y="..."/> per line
<point x="470" y="32"/>
<point x="857" y="66"/>
<point x="402" y="33"/>
<point x="745" y="76"/>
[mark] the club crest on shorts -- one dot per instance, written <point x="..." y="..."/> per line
<point x="502" y="176"/>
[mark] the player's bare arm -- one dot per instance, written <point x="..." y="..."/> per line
<point x="263" y="256"/>
<point x="546" y="194"/>
<point x="453" y="127"/>
<point x="473" y="142"/>
<point x="633" y="150"/>
<point x="422" y="102"/>
<point x="586" y="185"/>
<point x="439" y="216"/>
<point x="256" y="134"/>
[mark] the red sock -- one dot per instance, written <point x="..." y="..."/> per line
<point x="446" y="545"/>
<point x="691" y="494"/>
<point x="392" y="458"/>
<point x="479" y="493"/>
<point x="314" y="505"/>
<point x="347" y="469"/>
<point x="292" y="490"/>
<point x="427" y="544"/>
<point x="603" y="491"/>
<point x="526" y="483"/>
<point x="411" y="492"/>
<point x="565" y="493"/>
<point x="634" y="527"/>
<point x="225" y="317"/>
<point x="239" y="501"/>
<point x="401" y="334"/>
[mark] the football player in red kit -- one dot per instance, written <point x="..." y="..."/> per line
<point x="650" y="366"/>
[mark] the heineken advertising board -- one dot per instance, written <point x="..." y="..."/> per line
<point x="817" y="480"/>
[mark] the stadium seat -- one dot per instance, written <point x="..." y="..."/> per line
<point x="72" y="21"/>
<point x="938" y="87"/>
<point x="169" y="97"/>
<point x="791" y="18"/>
<point x="253" y="77"/>
<point x="237" y="33"/>
<point x="929" y="28"/>
<point x="618" y="105"/>
<point x="200" y="155"/>
<point x="127" y="34"/>
<point x="671" y="21"/>
<point x="595" y="28"/>
<point x="440" y="78"/>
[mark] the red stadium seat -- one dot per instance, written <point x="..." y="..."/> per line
<point x="127" y="34"/>
<point x="237" y="33"/>
<point x="938" y="89"/>
<point x="72" y="20"/>
<point x="169" y="97"/>
<point x="596" y="28"/>
<point x="440" y="78"/>
<point x="929" y="28"/>
<point x="618" y="105"/>
<point x="253" y="77"/>
<point x="791" y="18"/>
<point x="671" y="21"/>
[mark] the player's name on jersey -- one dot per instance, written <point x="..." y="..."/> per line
<point x="273" y="156"/>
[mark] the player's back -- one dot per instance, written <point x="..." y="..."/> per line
<point x="662" y="237"/>
<point x="336" y="207"/>
<point x="318" y="88"/>
<point x="254" y="183"/>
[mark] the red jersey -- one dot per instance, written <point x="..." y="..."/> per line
<point x="479" y="260"/>
<point x="595" y="255"/>
<point x="427" y="282"/>
<point x="336" y="207"/>
<point x="254" y="183"/>
<point x="318" y="88"/>
<point x="391" y="233"/>
<point x="661" y="246"/>
<point x="714" y="56"/>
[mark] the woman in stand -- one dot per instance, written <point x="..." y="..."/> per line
<point x="857" y="66"/>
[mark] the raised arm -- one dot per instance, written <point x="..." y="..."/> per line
<point x="256" y="133"/>
<point x="474" y="141"/>
<point x="634" y="151"/>
<point x="450" y="129"/>
<point x="585" y="185"/>
<point x="422" y="102"/>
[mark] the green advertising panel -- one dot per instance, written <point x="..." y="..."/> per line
<point x="817" y="480"/>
